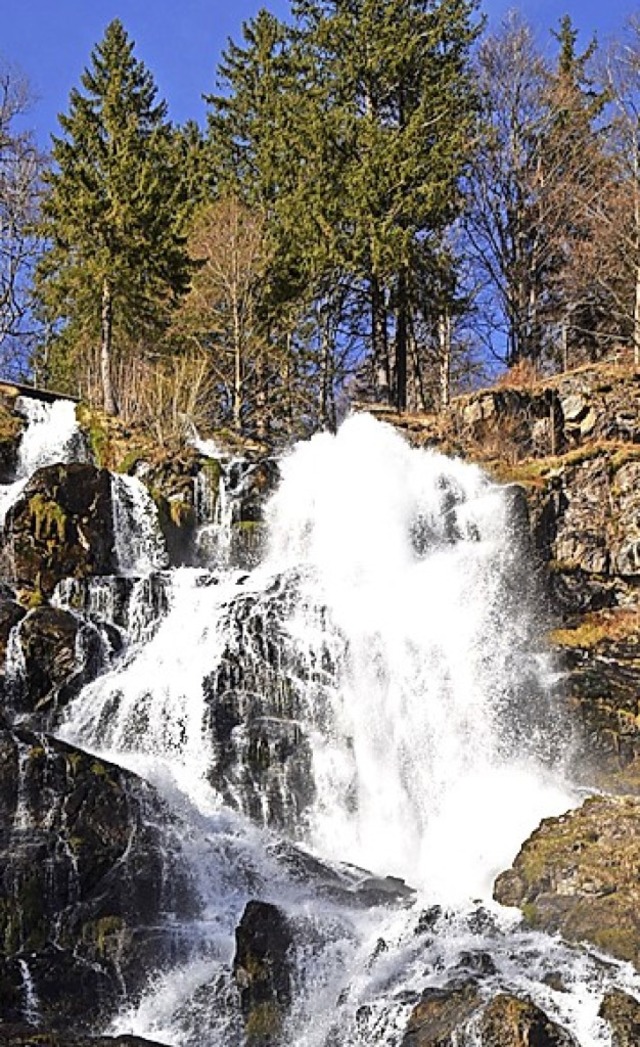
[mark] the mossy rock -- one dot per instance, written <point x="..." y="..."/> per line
<point x="442" y="1014"/>
<point x="509" y="1021"/>
<point x="622" y="1013"/>
<point x="62" y="526"/>
<point x="578" y="874"/>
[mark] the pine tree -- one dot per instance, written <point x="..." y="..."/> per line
<point x="116" y="259"/>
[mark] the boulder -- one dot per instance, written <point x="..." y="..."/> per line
<point x="578" y="875"/>
<point x="509" y="1021"/>
<point x="60" y="527"/>
<point x="622" y="1012"/>
<point x="442" y="1014"/>
<point x="86" y="878"/>
<point x="57" y="654"/>
<point x="262" y="971"/>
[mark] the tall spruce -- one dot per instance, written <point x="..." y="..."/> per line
<point x="395" y="75"/>
<point x="116" y="260"/>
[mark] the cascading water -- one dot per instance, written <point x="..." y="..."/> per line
<point x="139" y="546"/>
<point x="372" y="689"/>
<point x="52" y="434"/>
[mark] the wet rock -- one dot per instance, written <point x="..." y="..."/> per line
<point x="441" y="1015"/>
<point x="578" y="874"/>
<point x="88" y="868"/>
<point x="262" y="971"/>
<point x="511" y="1022"/>
<point x="249" y="485"/>
<point x="622" y="1012"/>
<point x="11" y="426"/>
<point x="384" y="890"/>
<point x="130" y="607"/>
<point x="61" y="527"/>
<point x="184" y="487"/>
<point x="602" y="683"/>
<point x="10" y="614"/>
<point x="18" y="1035"/>
<point x="58" y="654"/>
<point x="261" y="760"/>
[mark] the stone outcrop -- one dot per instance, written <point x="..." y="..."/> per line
<point x="602" y="683"/>
<point x="586" y="522"/>
<point x="262" y="971"/>
<point x="61" y="527"/>
<point x="444" y="1016"/>
<point x="57" y="654"/>
<point x="441" y="1015"/>
<point x="509" y="1021"/>
<point x="85" y="874"/>
<point x="622" y="1012"/>
<point x="578" y="874"/>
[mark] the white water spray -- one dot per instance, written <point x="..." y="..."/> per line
<point x="52" y="434"/>
<point x="140" y="547"/>
<point x="412" y="556"/>
<point x="389" y="627"/>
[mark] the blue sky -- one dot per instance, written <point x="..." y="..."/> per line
<point x="181" y="41"/>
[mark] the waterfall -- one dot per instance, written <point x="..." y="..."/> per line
<point x="369" y="701"/>
<point x="414" y="562"/>
<point x="52" y="434"/>
<point x="139" y="544"/>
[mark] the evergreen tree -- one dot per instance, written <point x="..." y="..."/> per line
<point x="116" y="260"/>
<point x="394" y="80"/>
<point x="349" y="132"/>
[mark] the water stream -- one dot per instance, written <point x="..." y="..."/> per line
<point x="375" y="691"/>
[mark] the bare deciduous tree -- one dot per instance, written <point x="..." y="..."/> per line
<point x="20" y="168"/>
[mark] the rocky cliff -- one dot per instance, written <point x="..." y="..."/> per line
<point x="86" y="882"/>
<point x="572" y="445"/>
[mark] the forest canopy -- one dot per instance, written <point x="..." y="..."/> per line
<point x="387" y="202"/>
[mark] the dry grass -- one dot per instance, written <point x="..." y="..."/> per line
<point x="617" y="624"/>
<point x="523" y="375"/>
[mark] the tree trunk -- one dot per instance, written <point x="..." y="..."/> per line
<point x="237" y="370"/>
<point x="401" y="341"/>
<point x="106" y="329"/>
<point x="444" y="339"/>
<point x="381" y="369"/>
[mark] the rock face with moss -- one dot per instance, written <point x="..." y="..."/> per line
<point x="84" y="877"/>
<point x="262" y="972"/>
<point x="444" y="1017"/>
<point x="622" y="1012"/>
<point x="578" y="874"/>
<point x="58" y="653"/>
<point x="61" y="527"/>
<point x="261" y="757"/>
